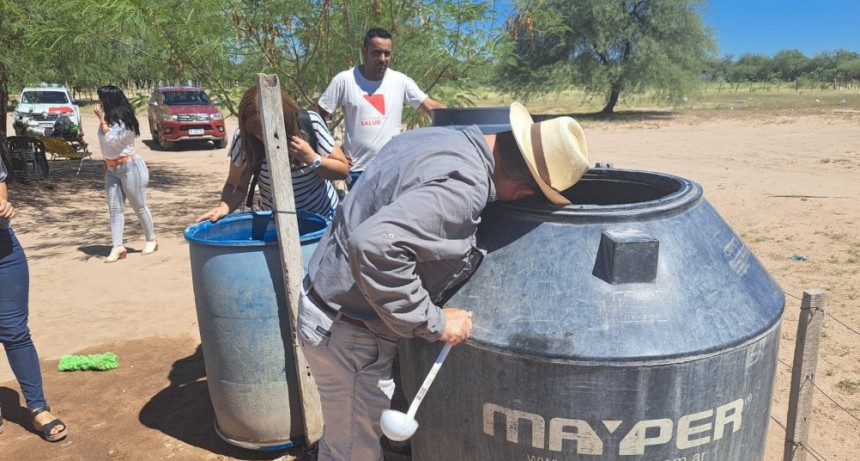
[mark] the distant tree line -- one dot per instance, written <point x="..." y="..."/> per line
<point x="835" y="69"/>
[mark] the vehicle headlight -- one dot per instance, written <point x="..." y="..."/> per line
<point x="44" y="115"/>
<point x="174" y="117"/>
<point x="217" y="116"/>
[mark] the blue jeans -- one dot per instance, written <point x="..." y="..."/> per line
<point x="14" y="332"/>
<point x="128" y="180"/>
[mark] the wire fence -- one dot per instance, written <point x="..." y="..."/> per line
<point x="817" y="455"/>
<point x="838" y="405"/>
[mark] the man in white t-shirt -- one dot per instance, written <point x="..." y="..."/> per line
<point x="372" y="97"/>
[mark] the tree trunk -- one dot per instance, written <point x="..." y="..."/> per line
<point x="613" y="99"/>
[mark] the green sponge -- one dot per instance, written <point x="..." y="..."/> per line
<point x="98" y="362"/>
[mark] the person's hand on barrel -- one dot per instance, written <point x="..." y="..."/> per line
<point x="215" y="214"/>
<point x="458" y="325"/>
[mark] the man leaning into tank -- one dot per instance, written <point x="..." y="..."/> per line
<point x="404" y="234"/>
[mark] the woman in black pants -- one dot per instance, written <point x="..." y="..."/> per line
<point x="14" y="332"/>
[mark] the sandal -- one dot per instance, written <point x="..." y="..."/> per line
<point x="46" y="429"/>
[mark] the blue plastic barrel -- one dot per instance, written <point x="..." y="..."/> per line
<point x="242" y="311"/>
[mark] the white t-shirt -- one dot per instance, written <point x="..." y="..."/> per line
<point x="312" y="192"/>
<point x="373" y="110"/>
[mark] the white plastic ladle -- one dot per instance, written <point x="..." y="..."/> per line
<point x="398" y="426"/>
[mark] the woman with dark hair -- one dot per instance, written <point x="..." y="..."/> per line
<point x="14" y="332"/>
<point x="126" y="175"/>
<point x="311" y="169"/>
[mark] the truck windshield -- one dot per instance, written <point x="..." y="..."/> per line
<point x="44" y="97"/>
<point x="185" y="98"/>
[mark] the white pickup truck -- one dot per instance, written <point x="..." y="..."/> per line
<point x="40" y="106"/>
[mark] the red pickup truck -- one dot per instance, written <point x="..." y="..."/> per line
<point x="179" y="114"/>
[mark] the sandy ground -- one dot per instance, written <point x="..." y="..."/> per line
<point x="787" y="184"/>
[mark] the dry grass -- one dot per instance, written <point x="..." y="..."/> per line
<point x="713" y="100"/>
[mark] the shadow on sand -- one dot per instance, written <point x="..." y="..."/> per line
<point x="64" y="204"/>
<point x="184" y="411"/>
<point x="619" y="117"/>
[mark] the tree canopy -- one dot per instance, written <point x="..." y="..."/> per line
<point x="222" y="44"/>
<point x="606" y="47"/>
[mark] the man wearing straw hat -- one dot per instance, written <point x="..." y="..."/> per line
<point x="404" y="236"/>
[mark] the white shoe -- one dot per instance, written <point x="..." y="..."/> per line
<point x="116" y="253"/>
<point x="150" y="247"/>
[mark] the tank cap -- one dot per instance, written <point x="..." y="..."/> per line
<point x="626" y="256"/>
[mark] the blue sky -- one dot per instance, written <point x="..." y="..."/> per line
<point x="768" y="26"/>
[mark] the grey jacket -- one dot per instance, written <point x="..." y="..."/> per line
<point x="406" y="232"/>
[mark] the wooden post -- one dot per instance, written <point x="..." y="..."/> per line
<point x="803" y="375"/>
<point x="278" y="157"/>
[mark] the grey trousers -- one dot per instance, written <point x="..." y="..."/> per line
<point x="352" y="369"/>
<point x="128" y="180"/>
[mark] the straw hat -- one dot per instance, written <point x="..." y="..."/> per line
<point x="555" y="151"/>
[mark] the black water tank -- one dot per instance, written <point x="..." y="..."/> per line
<point x="632" y="324"/>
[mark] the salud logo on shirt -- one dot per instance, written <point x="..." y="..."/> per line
<point x="377" y="101"/>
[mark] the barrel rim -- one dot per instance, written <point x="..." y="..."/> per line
<point x="686" y="195"/>
<point x="490" y="120"/>
<point x="192" y="233"/>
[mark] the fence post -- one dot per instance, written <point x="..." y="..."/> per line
<point x="277" y="156"/>
<point x="803" y="374"/>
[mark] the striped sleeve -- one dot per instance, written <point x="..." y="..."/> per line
<point x="233" y="152"/>
<point x="325" y="141"/>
